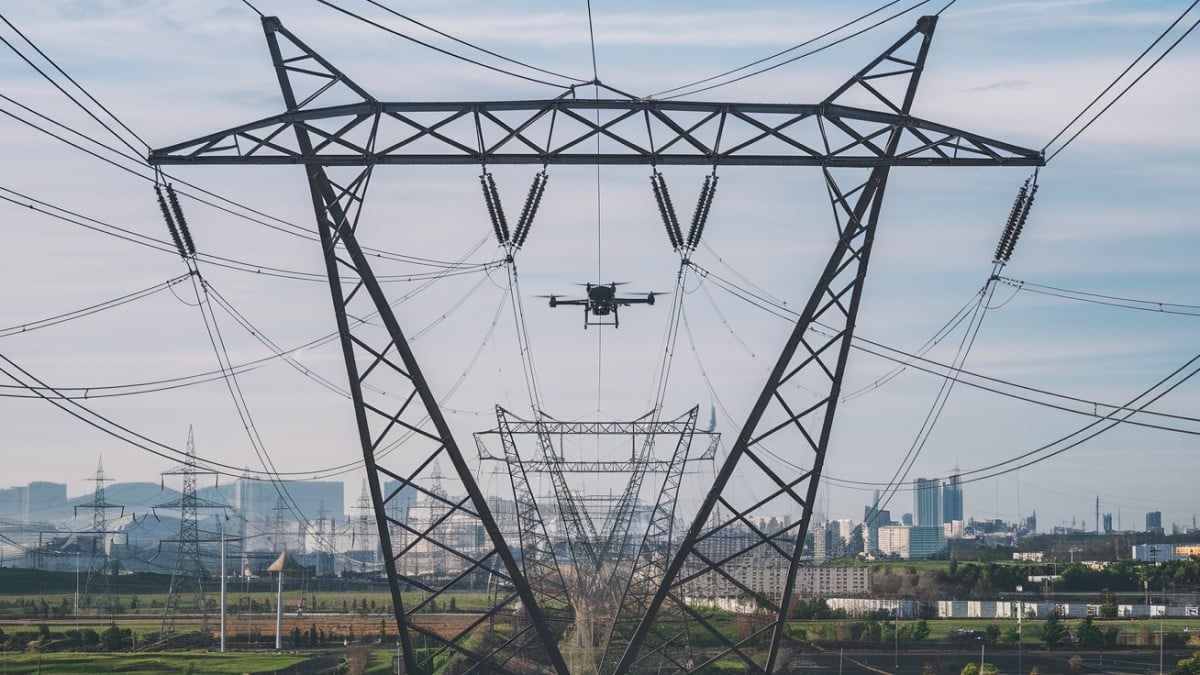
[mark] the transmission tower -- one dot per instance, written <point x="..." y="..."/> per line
<point x="189" y="571"/>
<point x="339" y="134"/>
<point x="98" y="569"/>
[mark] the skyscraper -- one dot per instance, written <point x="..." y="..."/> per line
<point x="1154" y="522"/>
<point x="952" y="499"/>
<point x="927" y="501"/>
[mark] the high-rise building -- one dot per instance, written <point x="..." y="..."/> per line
<point x="927" y="502"/>
<point x="1154" y="522"/>
<point x="952" y="500"/>
<point x="267" y="506"/>
<point x="873" y="519"/>
<point x="38" y="501"/>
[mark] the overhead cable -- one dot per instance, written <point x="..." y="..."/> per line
<point x="91" y="309"/>
<point x="437" y="49"/>
<point x="74" y="100"/>
<point x="776" y="54"/>
<point x="822" y="48"/>
<point x="1122" y="93"/>
<point x="1155" y="306"/>
<point x="471" y="45"/>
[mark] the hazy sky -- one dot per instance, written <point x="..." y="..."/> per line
<point x="1116" y="216"/>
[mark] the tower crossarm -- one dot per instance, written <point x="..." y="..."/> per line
<point x="565" y="131"/>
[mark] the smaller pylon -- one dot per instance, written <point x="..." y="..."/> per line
<point x="361" y="538"/>
<point x="98" y="569"/>
<point x="189" y="568"/>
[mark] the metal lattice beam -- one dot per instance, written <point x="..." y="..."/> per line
<point x="822" y="134"/>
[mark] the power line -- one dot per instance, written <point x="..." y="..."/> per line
<point x="262" y="218"/>
<point x="798" y="57"/>
<point x="471" y="45"/>
<point x="449" y="269"/>
<point x="1155" y="306"/>
<point x="437" y="49"/>
<point x="912" y="360"/>
<point x="776" y="54"/>
<point x="64" y="91"/>
<point x="1117" y="79"/>
<point x="91" y="309"/>
<point x="592" y="41"/>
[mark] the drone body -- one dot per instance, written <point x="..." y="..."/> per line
<point x="602" y="301"/>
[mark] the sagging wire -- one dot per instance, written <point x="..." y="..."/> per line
<point x="154" y="386"/>
<point x="137" y="157"/>
<point x="181" y="235"/>
<point x="1155" y="306"/>
<point x="439" y="50"/>
<point x="1117" y="79"/>
<point x="917" y="361"/>
<point x="283" y="226"/>
<point x="91" y="309"/>
<point x="760" y="71"/>
<point x="1015" y="223"/>
<point x="472" y="45"/>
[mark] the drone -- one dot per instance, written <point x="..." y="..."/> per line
<point x="601" y="301"/>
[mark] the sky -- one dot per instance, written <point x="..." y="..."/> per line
<point x="1115" y="216"/>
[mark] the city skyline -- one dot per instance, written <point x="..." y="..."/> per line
<point x="1115" y="216"/>
<point x="351" y="495"/>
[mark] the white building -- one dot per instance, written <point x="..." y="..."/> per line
<point x="911" y="542"/>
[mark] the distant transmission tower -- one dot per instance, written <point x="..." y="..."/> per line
<point x="189" y="571"/>
<point x="360" y="531"/>
<point x="98" y="563"/>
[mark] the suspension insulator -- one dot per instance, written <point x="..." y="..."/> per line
<point x="162" y="204"/>
<point x="491" y="196"/>
<point x="181" y="221"/>
<point x="1011" y="223"/>
<point x="1016" y="233"/>
<point x="666" y="210"/>
<point x="700" y="217"/>
<point x="532" y="201"/>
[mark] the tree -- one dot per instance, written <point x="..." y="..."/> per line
<point x="915" y="631"/>
<point x="1108" y="604"/>
<point x="971" y="668"/>
<point x="1053" y="630"/>
<point x="1090" y="635"/>
<point x="111" y="638"/>
<point x="1188" y="666"/>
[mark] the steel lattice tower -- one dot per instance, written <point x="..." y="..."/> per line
<point x="98" y="561"/>
<point x="189" y="570"/>
<point x="339" y="134"/>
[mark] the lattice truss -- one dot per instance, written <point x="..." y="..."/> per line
<point x="339" y="133"/>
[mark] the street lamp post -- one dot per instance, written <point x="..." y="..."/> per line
<point x="896" y="639"/>
<point x="1020" y="616"/>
